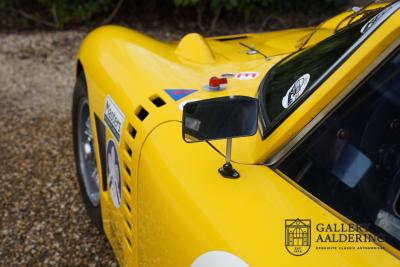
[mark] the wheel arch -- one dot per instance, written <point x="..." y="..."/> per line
<point x="79" y="68"/>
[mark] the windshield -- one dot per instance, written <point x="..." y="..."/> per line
<point x="292" y="80"/>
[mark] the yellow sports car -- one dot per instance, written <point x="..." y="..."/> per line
<point x="269" y="149"/>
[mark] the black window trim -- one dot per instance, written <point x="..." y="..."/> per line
<point x="266" y="125"/>
<point x="285" y="151"/>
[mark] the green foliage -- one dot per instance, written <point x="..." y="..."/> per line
<point x="62" y="13"/>
<point x="244" y="6"/>
<point x="70" y="11"/>
<point x="76" y="8"/>
<point x="264" y="8"/>
<point x="186" y="2"/>
<point x="56" y="13"/>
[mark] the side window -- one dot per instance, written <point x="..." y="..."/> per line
<point x="351" y="161"/>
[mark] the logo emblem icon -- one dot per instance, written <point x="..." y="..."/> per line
<point x="297" y="236"/>
<point x="295" y="90"/>
<point x="113" y="174"/>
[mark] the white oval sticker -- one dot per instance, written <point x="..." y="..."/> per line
<point x="219" y="259"/>
<point x="295" y="90"/>
<point x="113" y="174"/>
<point x="378" y="18"/>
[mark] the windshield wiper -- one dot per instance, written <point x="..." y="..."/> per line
<point x="361" y="12"/>
<point x="255" y="50"/>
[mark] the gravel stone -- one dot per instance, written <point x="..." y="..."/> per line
<point x="42" y="218"/>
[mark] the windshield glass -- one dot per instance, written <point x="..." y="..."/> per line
<point x="295" y="77"/>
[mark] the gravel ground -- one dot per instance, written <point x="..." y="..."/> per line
<point x="42" y="219"/>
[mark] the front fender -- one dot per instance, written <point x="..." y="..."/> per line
<point x="186" y="208"/>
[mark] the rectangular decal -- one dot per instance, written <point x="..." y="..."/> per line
<point x="113" y="117"/>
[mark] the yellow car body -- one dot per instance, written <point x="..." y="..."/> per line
<point x="175" y="206"/>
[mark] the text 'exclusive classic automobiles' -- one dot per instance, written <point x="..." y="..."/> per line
<point x="270" y="149"/>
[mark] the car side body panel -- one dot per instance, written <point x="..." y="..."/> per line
<point x="187" y="209"/>
<point x="169" y="185"/>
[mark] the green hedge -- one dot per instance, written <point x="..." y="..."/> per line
<point x="56" y="13"/>
<point x="245" y="6"/>
<point x="63" y="13"/>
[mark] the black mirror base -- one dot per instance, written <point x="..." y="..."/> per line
<point x="228" y="171"/>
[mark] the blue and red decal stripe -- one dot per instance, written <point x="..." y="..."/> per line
<point x="177" y="94"/>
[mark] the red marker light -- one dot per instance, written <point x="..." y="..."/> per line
<point x="216" y="82"/>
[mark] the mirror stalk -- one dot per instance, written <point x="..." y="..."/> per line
<point x="227" y="170"/>
<point x="228" y="150"/>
